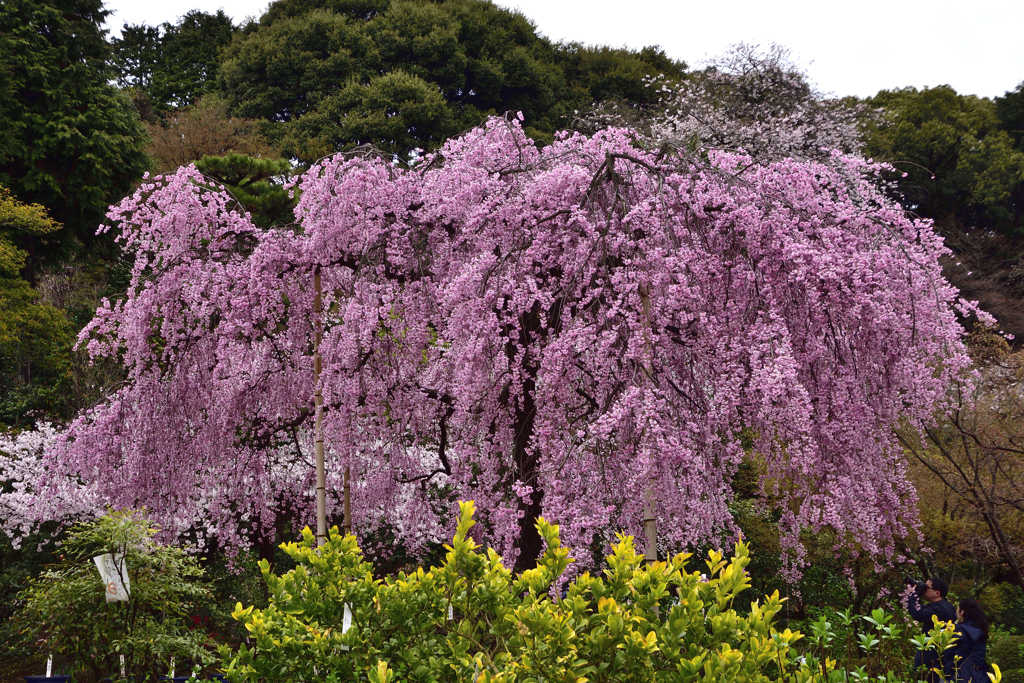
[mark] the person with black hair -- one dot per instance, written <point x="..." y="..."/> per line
<point x="933" y="593"/>
<point x="964" y="662"/>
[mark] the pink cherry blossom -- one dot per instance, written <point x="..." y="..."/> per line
<point x="554" y="331"/>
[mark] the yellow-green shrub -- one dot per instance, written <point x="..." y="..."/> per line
<point x="471" y="620"/>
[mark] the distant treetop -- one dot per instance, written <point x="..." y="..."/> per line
<point x="331" y="75"/>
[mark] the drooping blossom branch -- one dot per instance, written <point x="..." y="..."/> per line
<point x="551" y="330"/>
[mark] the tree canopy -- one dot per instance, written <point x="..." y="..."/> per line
<point x="1010" y="110"/>
<point x="74" y="143"/>
<point x="35" y="337"/>
<point x="175" y="65"/>
<point x="574" y="329"/>
<point x="206" y="129"/>
<point x="756" y="101"/>
<point x="135" y="54"/>
<point x="337" y="74"/>
<point x="960" y="162"/>
<point x="260" y="185"/>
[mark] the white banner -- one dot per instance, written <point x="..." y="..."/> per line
<point x="346" y="623"/>
<point x="114" y="573"/>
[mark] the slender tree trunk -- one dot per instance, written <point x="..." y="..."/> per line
<point x="650" y="528"/>
<point x="348" y="500"/>
<point x="650" y="521"/>
<point x="525" y="460"/>
<point x="318" y="402"/>
<point x="526" y="470"/>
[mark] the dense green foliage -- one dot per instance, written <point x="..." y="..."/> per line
<point x="472" y="619"/>
<point x="601" y="73"/>
<point x="1008" y="652"/>
<point x="176" y="64"/>
<point x="74" y="143"/>
<point x="960" y="162"/>
<point x="336" y="74"/>
<point x="148" y="629"/>
<point x="35" y="337"/>
<point x="258" y="185"/>
<point x="1010" y="110"/>
<point x="134" y="56"/>
<point x="18" y="566"/>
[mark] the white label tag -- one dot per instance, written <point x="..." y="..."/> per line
<point x="49" y="666"/>
<point x="122" y="666"/>
<point x="114" y="572"/>
<point x="171" y="675"/>
<point x="346" y="623"/>
<point x="451" y="613"/>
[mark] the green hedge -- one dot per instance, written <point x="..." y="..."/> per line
<point x="1007" y="653"/>
<point x="471" y="619"/>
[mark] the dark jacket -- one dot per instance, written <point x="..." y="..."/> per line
<point x="941" y="609"/>
<point x="927" y="662"/>
<point x="965" y="660"/>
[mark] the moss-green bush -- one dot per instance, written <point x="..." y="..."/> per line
<point x="1004" y="603"/>
<point x="1006" y="652"/>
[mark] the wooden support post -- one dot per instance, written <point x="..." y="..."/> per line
<point x="650" y="528"/>
<point x="318" y="402"/>
<point x="348" y="501"/>
<point x="651" y="534"/>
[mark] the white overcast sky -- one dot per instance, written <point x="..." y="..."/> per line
<point x="848" y="47"/>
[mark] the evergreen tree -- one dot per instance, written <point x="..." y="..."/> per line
<point x="257" y="184"/>
<point x="1010" y="110"/>
<point x="135" y="56"/>
<point x="960" y="162"/>
<point x="73" y="144"/>
<point x="189" y="58"/>
<point x="175" y="65"/>
<point x="329" y="75"/>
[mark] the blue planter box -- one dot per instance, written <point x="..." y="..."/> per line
<point x="47" y="679"/>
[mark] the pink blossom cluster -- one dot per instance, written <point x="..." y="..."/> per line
<point x="562" y="331"/>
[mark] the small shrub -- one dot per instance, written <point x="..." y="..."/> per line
<point x="1006" y="652"/>
<point x="65" y="610"/>
<point x="1004" y="602"/>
